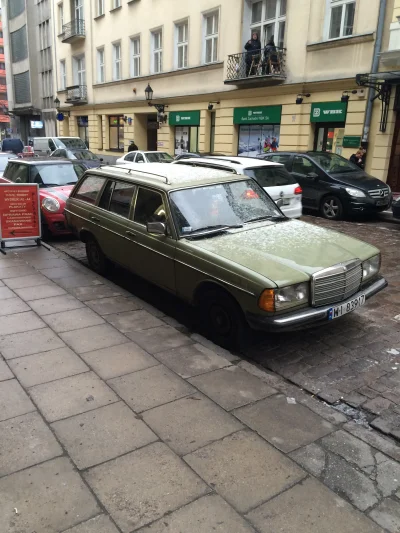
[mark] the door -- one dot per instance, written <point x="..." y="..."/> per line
<point x="152" y="127"/>
<point x="326" y="135"/>
<point x="79" y="9"/>
<point x="155" y="254"/>
<point x="393" y="179"/>
<point x="81" y="70"/>
<point x="309" y="176"/>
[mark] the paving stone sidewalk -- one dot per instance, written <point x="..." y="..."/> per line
<point x="114" y="420"/>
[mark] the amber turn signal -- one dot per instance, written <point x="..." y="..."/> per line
<point x="267" y="300"/>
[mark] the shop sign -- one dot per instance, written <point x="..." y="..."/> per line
<point x="19" y="212"/>
<point x="184" y="118"/>
<point x="328" y="112"/>
<point x="257" y="115"/>
<point x="351" y="141"/>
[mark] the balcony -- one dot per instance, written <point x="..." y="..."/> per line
<point x="2" y="73"/>
<point x="3" y="88"/>
<point x="77" y="95"/>
<point x="73" y="31"/>
<point x="251" y="71"/>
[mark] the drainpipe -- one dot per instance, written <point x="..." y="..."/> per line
<point x="374" y="69"/>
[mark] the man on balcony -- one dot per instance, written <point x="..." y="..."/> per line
<point x="253" y="55"/>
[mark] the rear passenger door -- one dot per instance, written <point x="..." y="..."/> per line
<point x="308" y="175"/>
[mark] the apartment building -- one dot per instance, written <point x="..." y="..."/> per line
<point x="28" y="40"/>
<point x="176" y="76"/>
<point x="4" y="116"/>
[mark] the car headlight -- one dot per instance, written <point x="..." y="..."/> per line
<point x="355" y="192"/>
<point x="51" y="204"/>
<point x="371" y="267"/>
<point x="279" y="299"/>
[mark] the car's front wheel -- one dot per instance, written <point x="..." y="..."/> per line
<point x="96" y="259"/>
<point x="223" y="319"/>
<point x="332" y="208"/>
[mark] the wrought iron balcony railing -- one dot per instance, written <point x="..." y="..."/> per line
<point x="249" y="67"/>
<point x="77" y="94"/>
<point x="73" y="30"/>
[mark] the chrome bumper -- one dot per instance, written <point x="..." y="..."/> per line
<point x="310" y="316"/>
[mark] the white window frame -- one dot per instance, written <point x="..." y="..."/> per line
<point x="116" y="4"/>
<point x="78" y="10"/>
<point x="117" y="61"/>
<point x="156" y="61"/>
<point x="182" y="46"/>
<point x="330" y="5"/>
<point x="79" y="70"/>
<point x="213" y="37"/>
<point x="60" y="17"/>
<point x="101" y="58"/>
<point x="135" y="56"/>
<point x="63" y="75"/>
<point x="277" y="20"/>
<point x="100" y="7"/>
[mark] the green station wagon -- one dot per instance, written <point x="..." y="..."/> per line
<point x="219" y="242"/>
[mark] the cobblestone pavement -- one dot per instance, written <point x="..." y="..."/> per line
<point x="355" y="360"/>
<point x="114" y="420"/>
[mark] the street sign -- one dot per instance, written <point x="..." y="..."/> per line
<point x="19" y="212"/>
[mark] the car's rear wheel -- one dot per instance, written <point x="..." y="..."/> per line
<point x="332" y="208"/>
<point x="223" y="319"/>
<point x="96" y="259"/>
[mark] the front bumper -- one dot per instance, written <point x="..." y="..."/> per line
<point x="310" y="316"/>
<point x="367" y="205"/>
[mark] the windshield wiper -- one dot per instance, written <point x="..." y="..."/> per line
<point x="267" y="217"/>
<point x="207" y="231"/>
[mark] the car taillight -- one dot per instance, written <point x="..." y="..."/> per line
<point x="298" y="190"/>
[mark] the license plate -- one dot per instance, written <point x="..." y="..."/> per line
<point x="286" y="201"/>
<point x="348" y="307"/>
<point x="382" y="202"/>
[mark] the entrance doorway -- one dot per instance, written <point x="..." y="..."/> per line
<point x="327" y="136"/>
<point x="83" y="129"/>
<point x="393" y="179"/>
<point x="152" y="127"/>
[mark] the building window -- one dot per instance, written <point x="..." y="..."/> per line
<point x="2" y="66"/>
<point x="341" y="18"/>
<point x="182" y="44"/>
<point x="116" y="127"/>
<point x="268" y="19"/>
<point x="100" y="66"/>
<point x="211" y="21"/>
<point x="15" y="8"/>
<point x="117" y="61"/>
<point x="100" y="7"/>
<point x="19" y="45"/>
<point x="63" y="75"/>
<point x="135" y="57"/>
<point x="116" y="3"/>
<point x="157" y="51"/>
<point x="79" y="70"/>
<point x="60" y="18"/>
<point x="78" y="5"/>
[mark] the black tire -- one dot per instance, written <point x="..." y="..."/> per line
<point x="331" y="208"/>
<point x="96" y="259"/>
<point x="222" y="318"/>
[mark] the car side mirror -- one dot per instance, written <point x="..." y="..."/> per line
<point x="101" y="159"/>
<point x="156" y="228"/>
<point x="313" y="176"/>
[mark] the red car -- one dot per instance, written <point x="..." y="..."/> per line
<point x="56" y="179"/>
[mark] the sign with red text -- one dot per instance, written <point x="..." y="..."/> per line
<point x="19" y="211"/>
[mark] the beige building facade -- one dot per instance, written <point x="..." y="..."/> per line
<point x="302" y="94"/>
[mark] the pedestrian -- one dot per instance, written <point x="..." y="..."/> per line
<point x="274" y="144"/>
<point x="132" y="147"/>
<point x="270" y="56"/>
<point x="358" y="158"/>
<point x="253" y="47"/>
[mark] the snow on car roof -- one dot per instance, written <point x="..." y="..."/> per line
<point x="232" y="161"/>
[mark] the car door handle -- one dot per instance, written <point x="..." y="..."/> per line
<point x="130" y="234"/>
<point x="95" y="219"/>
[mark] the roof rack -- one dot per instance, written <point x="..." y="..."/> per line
<point x="130" y="170"/>
<point x="208" y="164"/>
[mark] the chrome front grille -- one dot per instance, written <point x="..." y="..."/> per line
<point x="336" y="283"/>
<point x="379" y="193"/>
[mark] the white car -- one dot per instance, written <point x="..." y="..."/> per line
<point x="272" y="177"/>
<point x="4" y="157"/>
<point x="139" y="156"/>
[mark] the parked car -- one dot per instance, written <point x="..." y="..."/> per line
<point x="334" y="186"/>
<point x="274" y="178"/>
<point x="56" y="179"/>
<point x="87" y="158"/>
<point x="396" y="208"/>
<point x="217" y="240"/>
<point x="139" y="156"/>
<point x="4" y="159"/>
<point x="190" y="155"/>
<point x="44" y="146"/>
<point x="12" y="145"/>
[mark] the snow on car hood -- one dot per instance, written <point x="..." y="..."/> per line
<point x="286" y="252"/>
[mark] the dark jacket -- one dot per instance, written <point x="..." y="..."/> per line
<point x="253" y="48"/>
<point x="270" y="50"/>
<point x="132" y="147"/>
<point x="356" y="161"/>
<point x="12" y="145"/>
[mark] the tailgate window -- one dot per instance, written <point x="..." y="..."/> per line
<point x="270" y="176"/>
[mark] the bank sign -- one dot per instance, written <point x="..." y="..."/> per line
<point x="328" y="112"/>
<point x="257" y="115"/>
<point x="184" y="118"/>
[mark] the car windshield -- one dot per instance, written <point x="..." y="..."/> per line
<point x="86" y="155"/>
<point x="72" y="143"/>
<point x="3" y="161"/>
<point x="333" y="163"/>
<point x="221" y="205"/>
<point x="270" y="176"/>
<point x="56" y="175"/>
<point x="159" y="157"/>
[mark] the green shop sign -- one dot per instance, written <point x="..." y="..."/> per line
<point x="184" y="118"/>
<point x="329" y="112"/>
<point x="351" y="141"/>
<point x="257" y="115"/>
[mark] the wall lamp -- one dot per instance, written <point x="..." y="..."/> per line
<point x="346" y="95"/>
<point x="210" y="105"/>
<point x="299" y="99"/>
<point x="149" y="97"/>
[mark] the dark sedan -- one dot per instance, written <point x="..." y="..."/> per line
<point x="396" y="208"/>
<point x="334" y="186"/>
<point x="85" y="157"/>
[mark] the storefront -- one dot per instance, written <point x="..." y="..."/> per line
<point x="186" y="130"/>
<point x="259" y="129"/>
<point x="329" y="119"/>
<point x="116" y="128"/>
<point x="83" y="129"/>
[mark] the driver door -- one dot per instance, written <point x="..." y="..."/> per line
<point x="308" y="175"/>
